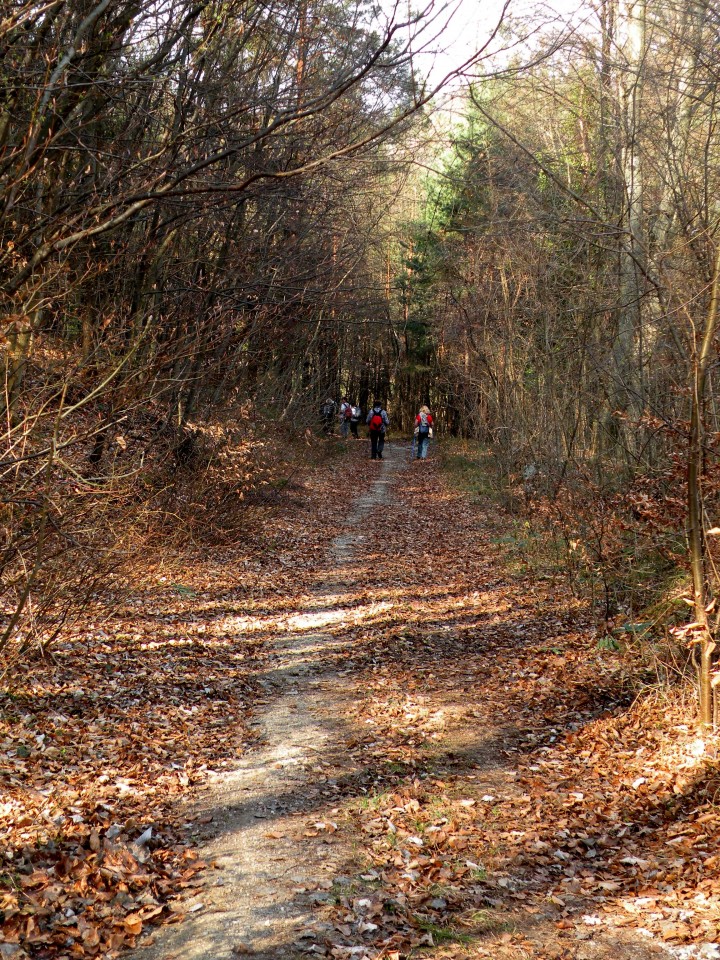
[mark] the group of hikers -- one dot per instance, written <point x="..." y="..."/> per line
<point x="377" y="422"/>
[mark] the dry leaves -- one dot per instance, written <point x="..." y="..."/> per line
<point x="100" y="741"/>
<point x="493" y="760"/>
<point x="509" y="768"/>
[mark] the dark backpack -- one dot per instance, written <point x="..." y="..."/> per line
<point x="423" y="426"/>
<point x="376" y="421"/>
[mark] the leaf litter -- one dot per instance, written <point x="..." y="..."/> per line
<point x="503" y="790"/>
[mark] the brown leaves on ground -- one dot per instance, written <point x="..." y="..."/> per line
<point x="100" y="739"/>
<point x="511" y="779"/>
<point x="499" y="777"/>
<point x="96" y="748"/>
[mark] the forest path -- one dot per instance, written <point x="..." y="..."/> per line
<point x="252" y="906"/>
<point x="396" y="801"/>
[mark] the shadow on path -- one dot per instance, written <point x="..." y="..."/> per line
<point x="247" y="904"/>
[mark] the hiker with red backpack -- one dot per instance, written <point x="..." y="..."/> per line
<point x="423" y="432"/>
<point x="345" y="417"/>
<point x="377" y="421"/>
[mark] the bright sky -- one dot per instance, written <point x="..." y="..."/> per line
<point x="471" y="25"/>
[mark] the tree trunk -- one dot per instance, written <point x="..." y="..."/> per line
<point x="696" y="533"/>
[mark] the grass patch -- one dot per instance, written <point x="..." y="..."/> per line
<point x="470" y="468"/>
<point x="395" y="767"/>
<point x="442" y="933"/>
<point x="485" y="922"/>
<point x="374" y="801"/>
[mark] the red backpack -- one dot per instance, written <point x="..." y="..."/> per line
<point x="376" y="421"/>
<point x="348" y="411"/>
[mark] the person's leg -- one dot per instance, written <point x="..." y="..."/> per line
<point x="373" y="444"/>
<point x="353" y="429"/>
<point x="381" y="444"/>
<point x="344" y="427"/>
<point x="424" y="447"/>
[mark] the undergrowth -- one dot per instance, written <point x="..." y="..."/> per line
<point x="621" y="549"/>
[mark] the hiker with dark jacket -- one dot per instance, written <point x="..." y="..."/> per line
<point x="327" y="415"/>
<point x="377" y="421"/>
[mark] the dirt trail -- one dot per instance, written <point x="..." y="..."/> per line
<point x="256" y="902"/>
<point x="348" y="723"/>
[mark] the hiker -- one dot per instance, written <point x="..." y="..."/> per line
<point x="423" y="432"/>
<point x="355" y="420"/>
<point x="345" y="415"/>
<point x="377" y="421"/>
<point x="327" y="414"/>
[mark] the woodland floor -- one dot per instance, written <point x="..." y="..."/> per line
<point x="362" y="732"/>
